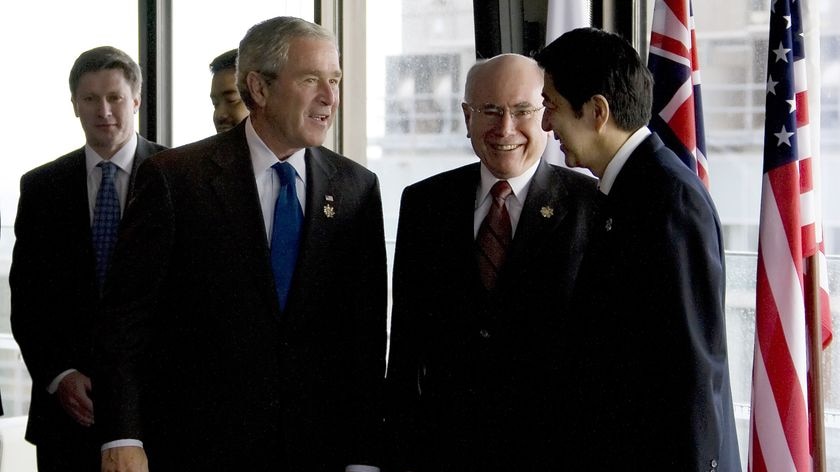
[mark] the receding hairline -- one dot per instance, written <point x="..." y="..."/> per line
<point x="480" y="68"/>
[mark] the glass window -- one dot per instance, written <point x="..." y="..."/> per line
<point x="38" y="121"/>
<point x="418" y="54"/>
<point x="201" y="30"/>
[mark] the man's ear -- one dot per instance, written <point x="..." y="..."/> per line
<point x="599" y="110"/>
<point x="467" y="116"/>
<point x="257" y="87"/>
<point x="75" y="106"/>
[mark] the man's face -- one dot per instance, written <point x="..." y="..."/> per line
<point x="105" y="105"/>
<point x="505" y="131"/>
<point x="568" y="128"/>
<point x="228" y="108"/>
<point x="301" y="102"/>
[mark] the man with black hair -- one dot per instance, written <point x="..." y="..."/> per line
<point x="228" y="108"/>
<point x="645" y="347"/>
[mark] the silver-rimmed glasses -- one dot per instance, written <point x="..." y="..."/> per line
<point x="496" y="112"/>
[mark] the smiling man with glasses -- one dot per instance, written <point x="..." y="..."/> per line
<point x="485" y="256"/>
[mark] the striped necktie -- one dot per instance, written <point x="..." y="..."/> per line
<point x="494" y="236"/>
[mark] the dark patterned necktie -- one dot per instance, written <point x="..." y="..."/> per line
<point x="285" y="232"/>
<point x="494" y="236"/>
<point x="106" y="221"/>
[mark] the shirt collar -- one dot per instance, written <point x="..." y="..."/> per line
<point x="620" y="158"/>
<point x="123" y="158"/>
<point x="262" y="158"/>
<point x="518" y="184"/>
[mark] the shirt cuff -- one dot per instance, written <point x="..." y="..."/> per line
<point x="361" y="468"/>
<point x="122" y="443"/>
<point x="53" y="386"/>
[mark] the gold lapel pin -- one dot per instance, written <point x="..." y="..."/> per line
<point x="547" y="212"/>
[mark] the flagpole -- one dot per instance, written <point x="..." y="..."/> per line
<point x="815" y="388"/>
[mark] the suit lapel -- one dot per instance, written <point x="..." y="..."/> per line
<point x="324" y="199"/>
<point x="459" y="219"/>
<point x="144" y="150"/>
<point x="543" y="212"/>
<point x="78" y="209"/>
<point x="236" y="193"/>
<point x="320" y="192"/>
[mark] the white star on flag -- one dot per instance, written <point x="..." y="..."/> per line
<point x="771" y="85"/>
<point x="781" y="53"/>
<point x="784" y="136"/>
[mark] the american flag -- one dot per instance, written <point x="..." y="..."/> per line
<point x="779" y="426"/>
<point x="677" y="110"/>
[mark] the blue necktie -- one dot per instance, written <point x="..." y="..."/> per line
<point x="106" y="221"/>
<point x="285" y="232"/>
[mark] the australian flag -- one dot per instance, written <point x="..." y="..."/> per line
<point x="677" y="110"/>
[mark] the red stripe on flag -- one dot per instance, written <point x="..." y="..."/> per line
<point x="669" y="44"/>
<point x="680" y="10"/>
<point x="683" y="124"/>
<point x="802" y="109"/>
<point x="784" y="181"/>
<point x="781" y="372"/>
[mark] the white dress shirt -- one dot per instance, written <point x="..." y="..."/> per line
<point x="620" y="158"/>
<point x="514" y="202"/>
<point x="268" y="183"/>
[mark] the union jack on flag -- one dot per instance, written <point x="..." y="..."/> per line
<point x="789" y="233"/>
<point x="677" y="109"/>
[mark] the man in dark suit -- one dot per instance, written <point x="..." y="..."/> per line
<point x="474" y="382"/>
<point x="646" y="348"/>
<point x="207" y="359"/>
<point x="54" y="274"/>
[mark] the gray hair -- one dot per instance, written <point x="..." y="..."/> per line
<point x="265" y="48"/>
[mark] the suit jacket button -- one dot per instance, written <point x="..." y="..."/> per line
<point x="484" y="333"/>
<point x="713" y="463"/>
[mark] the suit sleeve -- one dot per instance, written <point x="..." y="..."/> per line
<point x="123" y="327"/>
<point x="369" y="338"/>
<point x="403" y="418"/>
<point x="36" y="320"/>
<point x="694" y="333"/>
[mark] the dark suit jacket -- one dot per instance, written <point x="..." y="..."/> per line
<point x="195" y="357"/>
<point x="650" y="377"/>
<point x="474" y="379"/>
<point x="53" y="283"/>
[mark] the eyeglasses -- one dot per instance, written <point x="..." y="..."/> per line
<point x="496" y="112"/>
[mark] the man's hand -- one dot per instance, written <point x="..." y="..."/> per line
<point x="74" y="395"/>
<point x="124" y="459"/>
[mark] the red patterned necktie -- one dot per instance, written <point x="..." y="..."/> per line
<point x="494" y="236"/>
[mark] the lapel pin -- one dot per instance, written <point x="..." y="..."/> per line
<point x="547" y="212"/>
<point x="608" y="224"/>
<point x="329" y="211"/>
<point x="328" y="198"/>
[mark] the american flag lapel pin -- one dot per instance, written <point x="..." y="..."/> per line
<point x="329" y="210"/>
